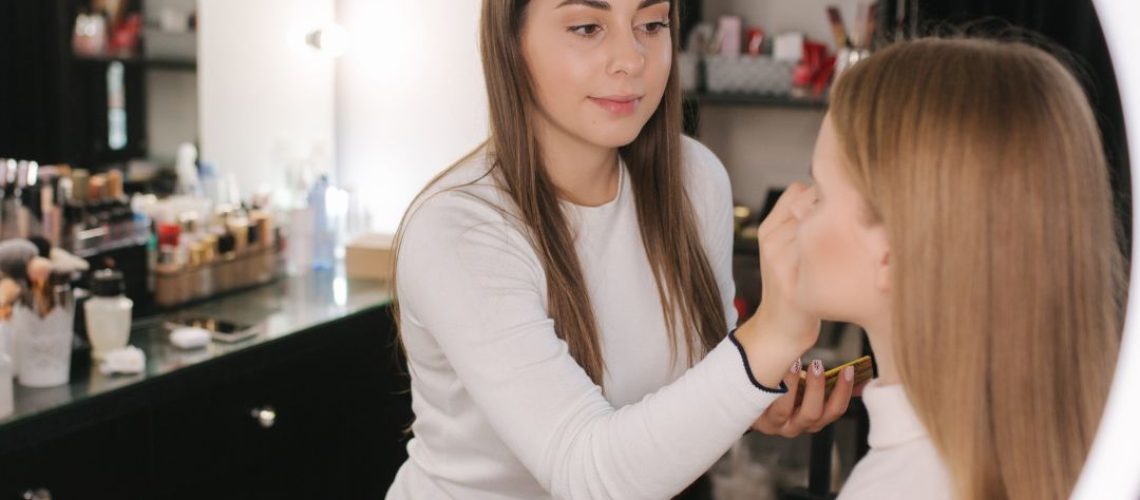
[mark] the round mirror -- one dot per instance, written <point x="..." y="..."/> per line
<point x="1113" y="468"/>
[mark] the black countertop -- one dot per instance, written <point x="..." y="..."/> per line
<point x="280" y="311"/>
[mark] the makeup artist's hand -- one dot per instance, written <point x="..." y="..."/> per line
<point x="780" y="331"/>
<point x="784" y="418"/>
<point x="779" y="267"/>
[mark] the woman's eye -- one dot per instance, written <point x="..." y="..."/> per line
<point x="656" y="27"/>
<point x="586" y="30"/>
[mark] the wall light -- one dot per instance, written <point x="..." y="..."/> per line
<point x="331" y="40"/>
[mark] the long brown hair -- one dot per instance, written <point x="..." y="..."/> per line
<point x="685" y="281"/>
<point x="984" y="162"/>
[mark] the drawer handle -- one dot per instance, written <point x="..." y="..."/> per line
<point x="37" y="494"/>
<point x="266" y="416"/>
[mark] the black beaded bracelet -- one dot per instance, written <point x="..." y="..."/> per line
<point x="783" y="389"/>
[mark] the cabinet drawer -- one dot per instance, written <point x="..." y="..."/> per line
<point x="106" y="460"/>
<point x="240" y="439"/>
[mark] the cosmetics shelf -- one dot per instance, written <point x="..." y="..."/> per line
<point x="173" y="64"/>
<point x="176" y="286"/>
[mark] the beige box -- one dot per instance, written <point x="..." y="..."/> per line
<point x="369" y="257"/>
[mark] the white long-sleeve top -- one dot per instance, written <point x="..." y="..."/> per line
<point x="903" y="463"/>
<point x="502" y="409"/>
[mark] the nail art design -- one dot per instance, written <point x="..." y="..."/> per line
<point x="817" y="367"/>
<point x="796" y="366"/>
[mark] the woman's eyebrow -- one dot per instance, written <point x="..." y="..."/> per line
<point x="597" y="4"/>
<point x="603" y="5"/>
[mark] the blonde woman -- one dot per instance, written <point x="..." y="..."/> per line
<point x="961" y="213"/>
<point x="565" y="292"/>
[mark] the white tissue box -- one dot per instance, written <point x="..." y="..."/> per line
<point x="127" y="360"/>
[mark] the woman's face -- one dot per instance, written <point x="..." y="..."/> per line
<point x="844" y="256"/>
<point x="599" y="66"/>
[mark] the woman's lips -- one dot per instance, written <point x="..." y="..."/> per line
<point x="618" y="105"/>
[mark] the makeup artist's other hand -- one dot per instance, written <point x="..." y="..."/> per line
<point x="784" y="418"/>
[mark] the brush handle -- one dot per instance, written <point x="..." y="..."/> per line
<point x="837" y="28"/>
<point x="869" y="26"/>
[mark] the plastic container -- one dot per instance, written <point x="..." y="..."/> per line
<point x="323" y="236"/>
<point x="107" y="313"/>
<point x="758" y="75"/>
<point x="42" y="345"/>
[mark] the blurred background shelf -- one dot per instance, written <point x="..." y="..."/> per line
<point x="757" y="100"/>
<point x="157" y="63"/>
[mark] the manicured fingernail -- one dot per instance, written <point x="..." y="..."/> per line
<point x="849" y="373"/>
<point x="795" y="368"/>
<point x="817" y="367"/>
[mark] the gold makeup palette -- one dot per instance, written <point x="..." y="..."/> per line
<point x="864" y="371"/>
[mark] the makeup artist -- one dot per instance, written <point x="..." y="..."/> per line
<point x="565" y="291"/>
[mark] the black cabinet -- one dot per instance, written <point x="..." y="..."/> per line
<point x="105" y="460"/>
<point x="318" y="414"/>
<point x="232" y="439"/>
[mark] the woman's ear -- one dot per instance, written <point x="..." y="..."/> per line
<point x="881" y="251"/>
<point x="883" y="273"/>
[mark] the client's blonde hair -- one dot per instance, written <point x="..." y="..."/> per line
<point x="984" y="162"/>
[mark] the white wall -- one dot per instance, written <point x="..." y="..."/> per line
<point x="410" y="97"/>
<point x="261" y="86"/>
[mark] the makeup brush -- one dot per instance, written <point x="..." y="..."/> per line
<point x="837" y="29"/>
<point x="869" y="26"/>
<point x="39" y="277"/>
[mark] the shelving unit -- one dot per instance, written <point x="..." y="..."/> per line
<point x="146" y="63"/>
<point x="56" y="110"/>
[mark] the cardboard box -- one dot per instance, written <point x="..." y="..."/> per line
<point x="370" y="257"/>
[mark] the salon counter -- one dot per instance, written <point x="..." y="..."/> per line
<point x="314" y="406"/>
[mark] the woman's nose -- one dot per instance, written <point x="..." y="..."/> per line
<point x="627" y="55"/>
